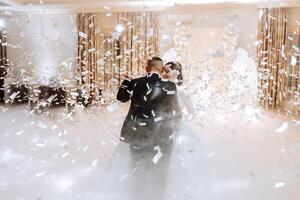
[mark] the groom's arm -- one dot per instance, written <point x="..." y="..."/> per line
<point x="125" y="91"/>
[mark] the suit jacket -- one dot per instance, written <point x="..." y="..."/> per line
<point x="154" y="110"/>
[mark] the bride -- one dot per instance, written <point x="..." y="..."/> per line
<point x="186" y="132"/>
<point x="173" y="72"/>
<point x="185" y="161"/>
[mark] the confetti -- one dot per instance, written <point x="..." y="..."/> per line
<point x="153" y="113"/>
<point x="51" y="98"/>
<point x="40" y="173"/>
<point x="279" y="185"/>
<point x="94" y="163"/>
<point x="85" y="148"/>
<point x="157" y="157"/>
<point x="157" y="119"/>
<point x="65" y="155"/>
<point x="40" y="145"/>
<point x="146" y="116"/>
<point x="282" y="128"/>
<point x="261" y="13"/>
<point x="54" y="127"/>
<point x="169" y="92"/>
<point x="142" y="124"/>
<point x="83" y="35"/>
<point x="20" y="132"/>
<point x="14" y="95"/>
<point x="293" y="61"/>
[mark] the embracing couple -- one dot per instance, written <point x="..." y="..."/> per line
<point x="155" y="111"/>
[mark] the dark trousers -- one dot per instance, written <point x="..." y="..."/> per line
<point x="150" y="179"/>
<point x="1" y="90"/>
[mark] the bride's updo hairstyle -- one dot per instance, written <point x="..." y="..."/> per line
<point x="176" y="66"/>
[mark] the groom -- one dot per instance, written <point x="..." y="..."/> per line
<point x="154" y="109"/>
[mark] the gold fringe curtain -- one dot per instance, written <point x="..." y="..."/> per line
<point x="139" y="41"/>
<point x="3" y="51"/>
<point x="3" y="61"/>
<point x="271" y="60"/>
<point x="292" y="69"/>
<point x="107" y="55"/>
<point x="86" y="68"/>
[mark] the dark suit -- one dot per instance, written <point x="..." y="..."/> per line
<point x="153" y="113"/>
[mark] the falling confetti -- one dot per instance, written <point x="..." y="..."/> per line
<point x="84" y="35"/>
<point x="54" y="127"/>
<point x="156" y="158"/>
<point x="282" y="128"/>
<point x="40" y="173"/>
<point x="65" y="155"/>
<point x="94" y="163"/>
<point x="294" y="61"/>
<point x="158" y="155"/>
<point x="20" y="132"/>
<point x="279" y="185"/>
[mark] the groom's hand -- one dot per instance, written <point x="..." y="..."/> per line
<point x="125" y="91"/>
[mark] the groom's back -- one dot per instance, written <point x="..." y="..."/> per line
<point x="153" y="106"/>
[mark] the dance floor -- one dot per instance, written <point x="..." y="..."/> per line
<point x="60" y="156"/>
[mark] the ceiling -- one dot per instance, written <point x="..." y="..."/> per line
<point x="91" y="1"/>
<point x="57" y="2"/>
<point x="132" y="5"/>
<point x="149" y="2"/>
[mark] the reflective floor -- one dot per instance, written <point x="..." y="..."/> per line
<point x="78" y="156"/>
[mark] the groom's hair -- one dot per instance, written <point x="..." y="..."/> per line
<point x="155" y="63"/>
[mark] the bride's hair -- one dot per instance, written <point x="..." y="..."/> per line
<point x="176" y="66"/>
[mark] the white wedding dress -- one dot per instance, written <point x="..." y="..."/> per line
<point x="185" y="171"/>
<point x="160" y="175"/>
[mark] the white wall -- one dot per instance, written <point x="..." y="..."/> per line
<point x="39" y="44"/>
